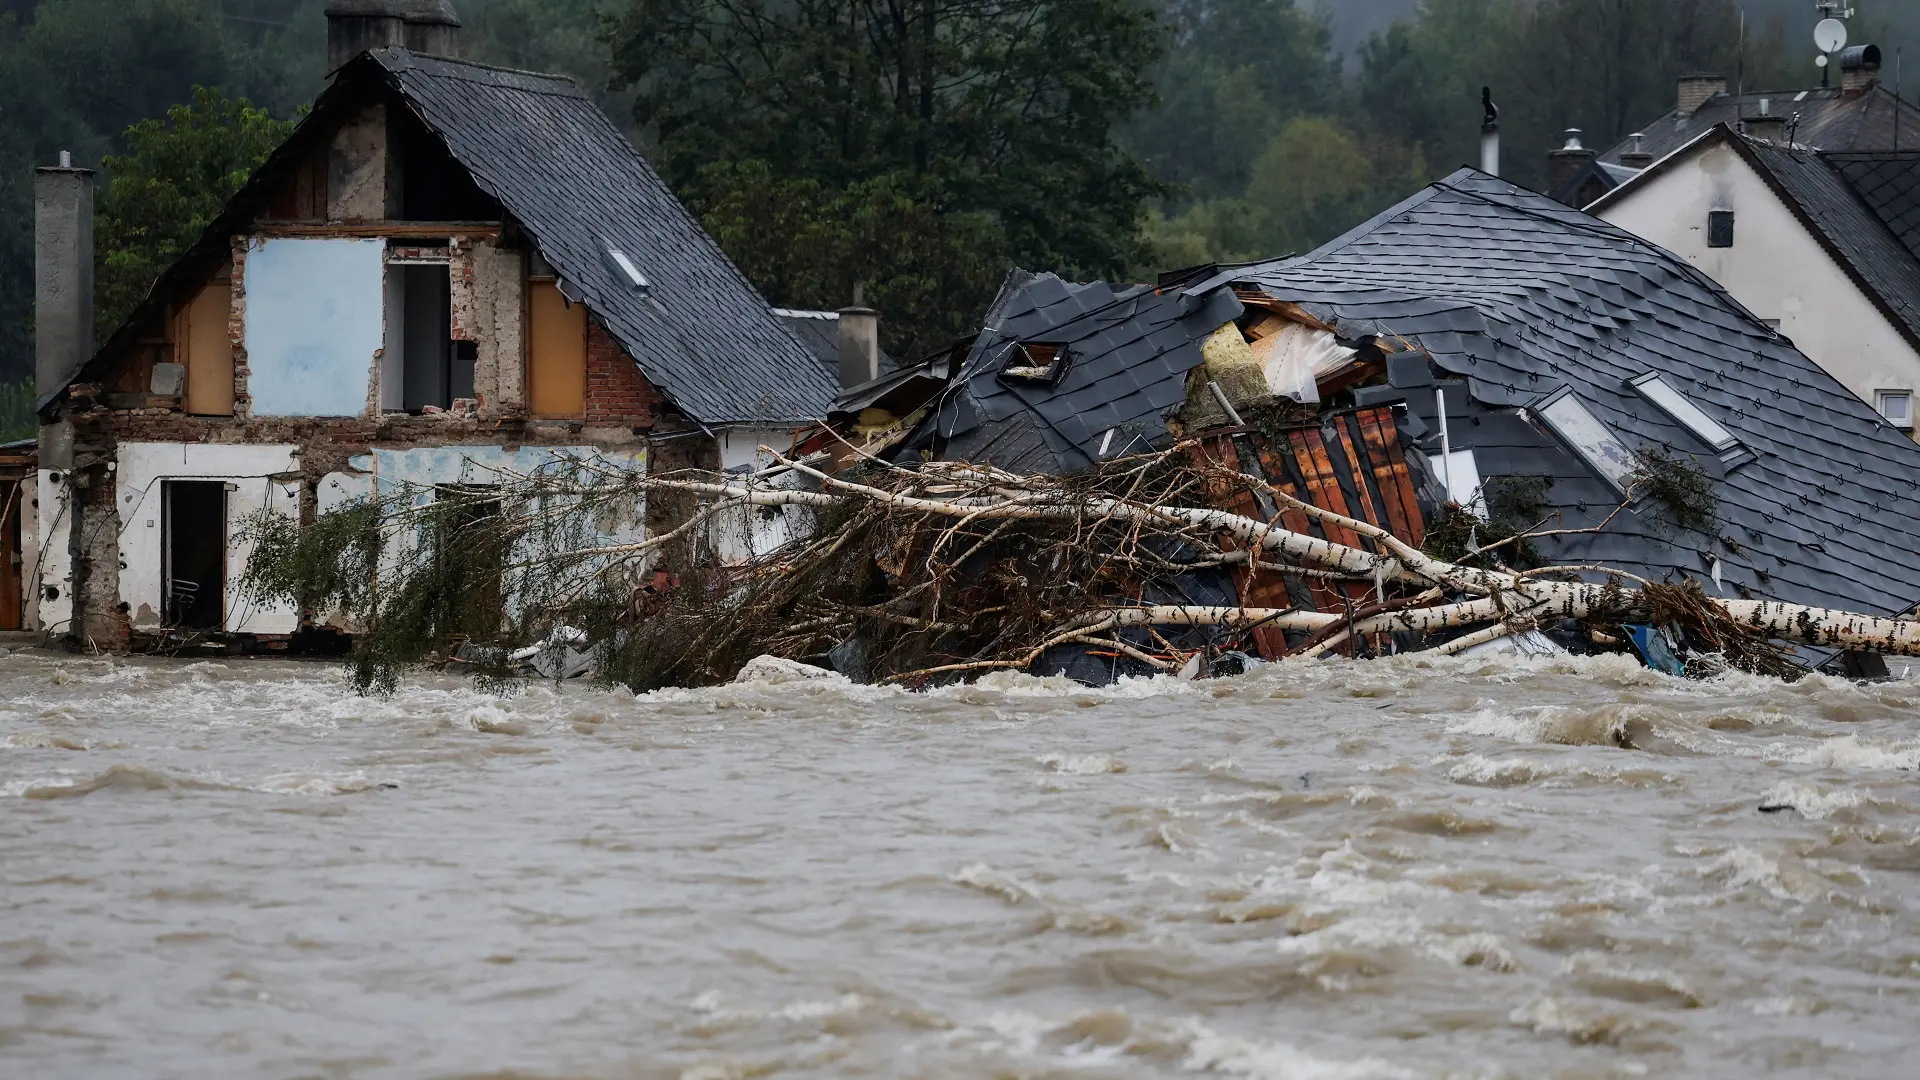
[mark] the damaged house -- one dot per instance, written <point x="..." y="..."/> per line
<point x="1475" y="340"/>
<point x="448" y="270"/>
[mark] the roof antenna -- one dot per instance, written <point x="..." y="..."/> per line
<point x="1740" y="79"/>
<point x="1899" y="103"/>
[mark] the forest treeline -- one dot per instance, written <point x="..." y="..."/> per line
<point x="916" y="147"/>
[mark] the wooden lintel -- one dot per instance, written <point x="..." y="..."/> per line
<point x="398" y="230"/>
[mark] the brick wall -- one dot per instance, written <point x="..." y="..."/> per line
<point x="616" y="391"/>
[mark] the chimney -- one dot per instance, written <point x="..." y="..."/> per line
<point x="1565" y="163"/>
<point x="1859" y="69"/>
<point x="1698" y="89"/>
<point x="1766" y="125"/>
<point x="433" y="29"/>
<point x="355" y="26"/>
<point x="1489" y="134"/>
<point x="62" y="273"/>
<point x="1635" y="155"/>
<point x="859" y="343"/>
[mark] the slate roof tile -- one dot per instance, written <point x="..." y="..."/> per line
<point x="560" y="167"/>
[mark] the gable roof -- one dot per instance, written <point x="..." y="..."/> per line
<point x="1830" y="119"/>
<point x="1522" y="296"/>
<point x="1888" y="181"/>
<point x="576" y="187"/>
<point x="1833" y="212"/>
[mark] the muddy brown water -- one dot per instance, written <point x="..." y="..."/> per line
<point x="1396" y="869"/>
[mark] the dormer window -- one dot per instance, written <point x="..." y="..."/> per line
<point x="1036" y="361"/>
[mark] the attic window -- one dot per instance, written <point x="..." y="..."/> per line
<point x="1683" y="412"/>
<point x="1896" y="406"/>
<point x="623" y="269"/>
<point x="1720" y="228"/>
<point x="1036" y="361"/>
<point x="1588" y="437"/>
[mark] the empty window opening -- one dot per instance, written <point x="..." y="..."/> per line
<point x="1683" y="411"/>
<point x="1587" y="436"/>
<point x="435" y="369"/>
<point x="194" y="552"/>
<point x="1720" y="228"/>
<point x="556" y="353"/>
<point x="1036" y="361"/>
<point x="1896" y="406"/>
<point x="470" y="559"/>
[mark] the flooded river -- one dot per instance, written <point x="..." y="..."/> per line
<point x="1394" y="869"/>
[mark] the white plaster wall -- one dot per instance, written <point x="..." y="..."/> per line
<point x="1775" y="268"/>
<point x="248" y="471"/>
<point x="55" y="561"/>
<point x="409" y="477"/>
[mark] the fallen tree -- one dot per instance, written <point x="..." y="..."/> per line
<point x="939" y="571"/>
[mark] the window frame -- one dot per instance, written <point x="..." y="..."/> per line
<point x="1641" y="384"/>
<point x="1879" y="399"/>
<point x="1563" y="431"/>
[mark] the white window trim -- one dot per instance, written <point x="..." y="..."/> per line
<point x="1879" y="406"/>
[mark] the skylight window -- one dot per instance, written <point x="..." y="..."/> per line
<point x="1588" y="437"/>
<point x="623" y="269"/>
<point x="1036" y="361"/>
<point x="1683" y="412"/>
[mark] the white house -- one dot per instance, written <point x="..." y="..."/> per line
<point x="1816" y="244"/>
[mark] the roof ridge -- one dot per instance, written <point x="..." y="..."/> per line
<point x="550" y="76"/>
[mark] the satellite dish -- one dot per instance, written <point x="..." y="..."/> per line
<point x="1830" y="35"/>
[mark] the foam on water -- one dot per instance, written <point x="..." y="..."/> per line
<point x="1420" y="867"/>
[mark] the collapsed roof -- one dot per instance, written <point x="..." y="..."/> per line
<point x="1542" y="329"/>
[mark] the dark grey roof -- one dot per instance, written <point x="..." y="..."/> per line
<point x="819" y="331"/>
<point x="1889" y="182"/>
<point x="1851" y="232"/>
<point x="1831" y="119"/>
<point x="566" y="174"/>
<point x="1521" y="296"/>
<point x="1130" y="349"/>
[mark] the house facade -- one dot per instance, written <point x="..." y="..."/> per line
<point x="447" y="271"/>
<point x="1806" y="240"/>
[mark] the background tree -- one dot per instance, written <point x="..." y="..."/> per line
<point x="176" y="176"/>
<point x="986" y="126"/>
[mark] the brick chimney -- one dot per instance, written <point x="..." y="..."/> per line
<point x="1698" y="89"/>
<point x="432" y="28"/>
<point x="1565" y="163"/>
<point x="62" y="273"/>
<point x="859" y="343"/>
<point x="355" y="26"/>
<point x="1859" y="69"/>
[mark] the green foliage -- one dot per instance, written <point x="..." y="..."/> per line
<point x="1682" y="491"/>
<point x="991" y="110"/>
<point x="1515" y="507"/>
<point x="16" y="411"/>
<point x="176" y="176"/>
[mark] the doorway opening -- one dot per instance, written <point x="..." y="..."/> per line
<point x="195" y="553"/>
<point x="12" y="558"/>
<point x="472" y="556"/>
